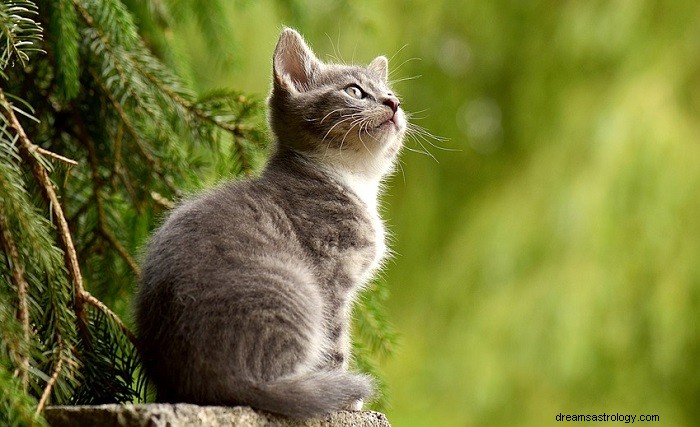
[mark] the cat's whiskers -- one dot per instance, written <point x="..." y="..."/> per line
<point x="414" y="114"/>
<point x="417" y="138"/>
<point x="417" y="76"/>
<point x="419" y="134"/>
<point x="425" y="135"/>
<point x="365" y="124"/>
<point x="336" y="56"/>
<point x="353" y="118"/>
<point x="343" y="119"/>
<point x="394" y="55"/>
<point x="403" y="172"/>
<point x="358" y="120"/>
<point x="337" y="110"/>
<point x="397" y="68"/>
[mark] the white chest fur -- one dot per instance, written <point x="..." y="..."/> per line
<point x="367" y="191"/>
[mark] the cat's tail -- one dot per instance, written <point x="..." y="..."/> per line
<point x="312" y="394"/>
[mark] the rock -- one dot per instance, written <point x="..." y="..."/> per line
<point x="182" y="415"/>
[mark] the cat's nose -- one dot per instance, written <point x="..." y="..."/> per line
<point x="392" y="102"/>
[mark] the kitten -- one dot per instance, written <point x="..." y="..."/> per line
<point x="247" y="290"/>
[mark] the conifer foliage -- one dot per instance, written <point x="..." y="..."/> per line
<point x="98" y="139"/>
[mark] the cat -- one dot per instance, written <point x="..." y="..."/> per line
<point x="247" y="290"/>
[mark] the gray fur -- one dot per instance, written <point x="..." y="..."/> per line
<point x="246" y="292"/>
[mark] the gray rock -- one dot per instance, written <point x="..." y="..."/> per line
<point x="182" y="415"/>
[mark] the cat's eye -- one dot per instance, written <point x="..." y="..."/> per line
<point x="355" y="92"/>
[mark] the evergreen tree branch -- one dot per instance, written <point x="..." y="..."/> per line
<point x="83" y="295"/>
<point x="8" y="244"/>
<point x="48" y="153"/>
<point x="101" y="216"/>
<point x="112" y="239"/>
<point x="235" y="129"/>
<point x="18" y="32"/>
<point x="122" y="57"/>
<point x="54" y="376"/>
<point x="162" y="201"/>
<point x="64" y="42"/>
<point x="27" y="150"/>
<point x="118" y="169"/>
<point x="154" y="72"/>
<point x="154" y="162"/>
<point x="90" y="299"/>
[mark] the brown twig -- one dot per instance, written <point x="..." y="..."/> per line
<point x="121" y="250"/>
<point x="82" y="297"/>
<point x="54" y="376"/>
<point x="101" y="216"/>
<point x="112" y="315"/>
<point x="162" y="201"/>
<point x="8" y="245"/>
<point x="54" y="155"/>
<point x="237" y="130"/>
<point x="42" y="177"/>
<point x="118" y="171"/>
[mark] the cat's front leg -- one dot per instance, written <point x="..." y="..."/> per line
<point x="339" y="352"/>
<point x="356" y="406"/>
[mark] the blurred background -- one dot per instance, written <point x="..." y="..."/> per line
<point x="547" y="253"/>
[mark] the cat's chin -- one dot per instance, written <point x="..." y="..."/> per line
<point x="390" y="128"/>
<point x="388" y="125"/>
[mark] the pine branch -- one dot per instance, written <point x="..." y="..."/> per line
<point x="48" y="293"/>
<point x="118" y="170"/>
<point x="101" y="217"/>
<point x="209" y="18"/>
<point x="19" y="33"/>
<point x="135" y="134"/>
<point x="42" y="177"/>
<point x="36" y="148"/>
<point x="63" y="43"/>
<point x="122" y="53"/>
<point x="54" y="376"/>
<point x="16" y="407"/>
<point x="81" y="295"/>
<point x="110" y="364"/>
<point x="101" y="99"/>
<point x="112" y="315"/>
<point x="159" y="78"/>
<point x="8" y="244"/>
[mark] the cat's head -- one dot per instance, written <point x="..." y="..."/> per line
<point x="344" y="115"/>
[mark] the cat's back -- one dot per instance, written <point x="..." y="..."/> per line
<point x="218" y="229"/>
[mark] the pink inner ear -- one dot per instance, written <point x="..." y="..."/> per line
<point x="290" y="64"/>
<point x="380" y="67"/>
<point x="294" y="60"/>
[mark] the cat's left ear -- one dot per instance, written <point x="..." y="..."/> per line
<point x="294" y="63"/>
<point x="380" y="67"/>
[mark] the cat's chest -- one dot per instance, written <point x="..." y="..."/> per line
<point x="359" y="260"/>
<point x="364" y="192"/>
<point x="348" y="234"/>
<point x="344" y="238"/>
<point x="378" y="232"/>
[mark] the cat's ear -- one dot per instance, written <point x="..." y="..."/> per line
<point x="294" y="63"/>
<point x="380" y="67"/>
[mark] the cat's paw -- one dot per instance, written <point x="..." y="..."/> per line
<point x="355" y="406"/>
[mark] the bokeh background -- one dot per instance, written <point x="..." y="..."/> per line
<point x="547" y="253"/>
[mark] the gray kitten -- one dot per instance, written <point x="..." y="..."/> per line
<point x="247" y="290"/>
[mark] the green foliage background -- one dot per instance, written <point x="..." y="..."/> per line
<point x="551" y="263"/>
<point x="547" y="259"/>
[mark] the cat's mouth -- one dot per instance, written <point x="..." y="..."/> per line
<point x="392" y="121"/>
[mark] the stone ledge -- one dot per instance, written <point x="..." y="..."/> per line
<point x="182" y="414"/>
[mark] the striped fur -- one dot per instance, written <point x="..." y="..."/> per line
<point x="247" y="289"/>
